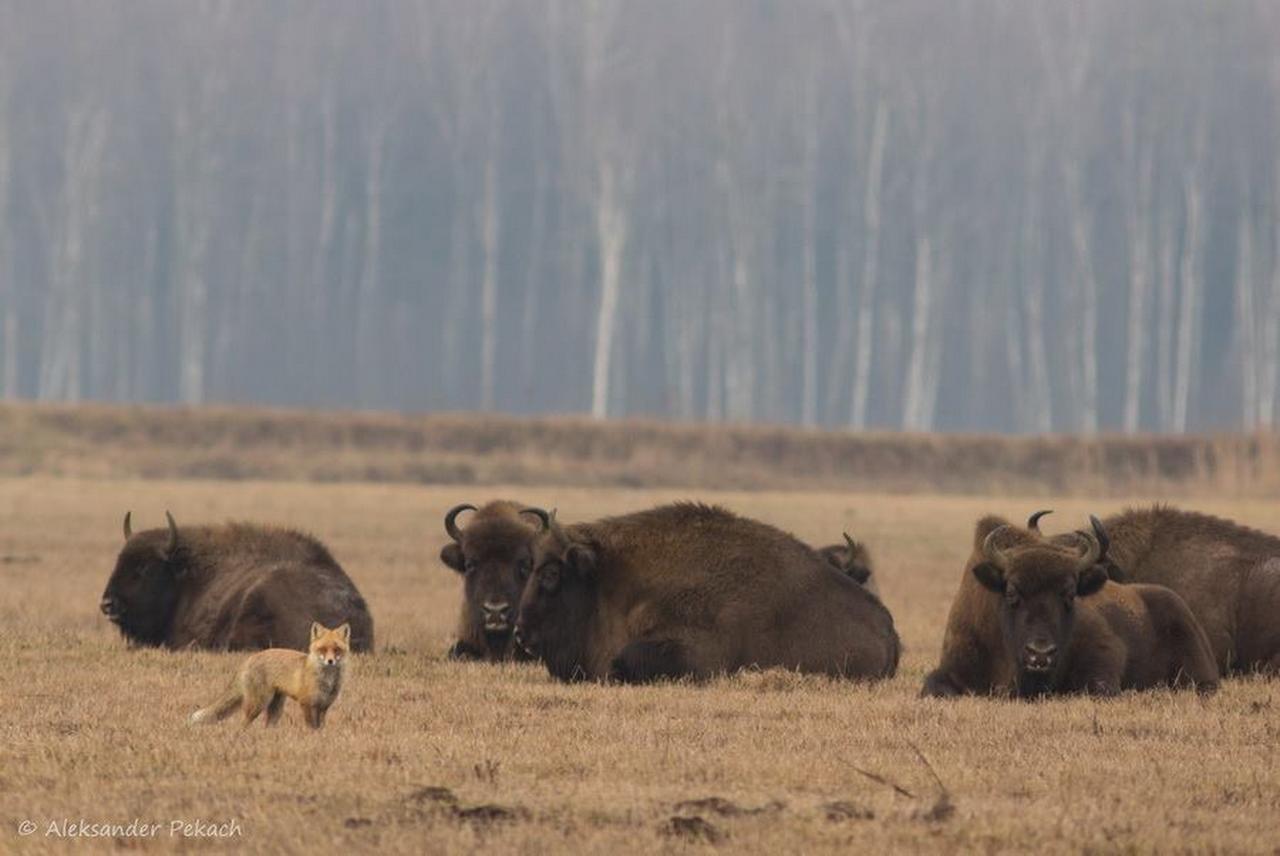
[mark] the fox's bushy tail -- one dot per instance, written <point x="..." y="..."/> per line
<point x="218" y="711"/>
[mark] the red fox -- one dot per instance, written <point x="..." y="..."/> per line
<point x="312" y="680"/>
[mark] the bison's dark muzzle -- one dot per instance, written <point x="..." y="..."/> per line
<point x="497" y="617"/>
<point x="1039" y="656"/>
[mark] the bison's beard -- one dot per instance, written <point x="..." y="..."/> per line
<point x="1035" y="684"/>
<point x="147" y="631"/>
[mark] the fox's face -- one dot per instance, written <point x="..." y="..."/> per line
<point x="330" y="647"/>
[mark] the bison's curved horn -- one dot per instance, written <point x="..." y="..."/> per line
<point x="450" y="520"/>
<point x="993" y="553"/>
<point x="1104" y="540"/>
<point x="128" y="526"/>
<point x="544" y="519"/>
<point x="1033" y="522"/>
<point x="173" y="535"/>
<point x="1092" y="553"/>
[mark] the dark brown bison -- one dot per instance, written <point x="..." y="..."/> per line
<point x="854" y="560"/>
<point x="1228" y="574"/>
<point x="690" y="590"/>
<point x="231" y="587"/>
<point x="1034" y="617"/>
<point x="493" y="553"/>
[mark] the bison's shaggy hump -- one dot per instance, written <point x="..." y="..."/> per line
<point x="234" y="586"/>
<point x="1225" y="572"/>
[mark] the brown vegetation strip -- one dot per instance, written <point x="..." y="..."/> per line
<point x="259" y="443"/>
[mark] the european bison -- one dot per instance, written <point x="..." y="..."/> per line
<point x="690" y="590"/>
<point x="493" y="554"/>
<point x="1036" y="617"/>
<point x="231" y="587"/>
<point x="854" y="560"/>
<point x="1228" y="574"/>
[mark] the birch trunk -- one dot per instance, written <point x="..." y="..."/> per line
<point x="1189" y="306"/>
<point x="1137" y="217"/>
<point x="611" y="230"/>
<point x="1246" y="321"/>
<point x="864" y="341"/>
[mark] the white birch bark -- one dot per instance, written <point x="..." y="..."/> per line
<point x="864" y="341"/>
<point x="1138" y="227"/>
<point x="611" y="231"/>
<point x="1246" y="322"/>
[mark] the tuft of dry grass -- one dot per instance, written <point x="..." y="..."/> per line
<point x="239" y="443"/>
<point x="424" y="755"/>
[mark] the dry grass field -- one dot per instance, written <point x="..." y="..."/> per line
<point x="422" y="755"/>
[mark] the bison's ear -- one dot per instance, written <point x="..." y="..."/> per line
<point x="451" y="555"/>
<point x="1091" y="580"/>
<point x="317" y="630"/>
<point x="581" y="559"/>
<point x="990" y="577"/>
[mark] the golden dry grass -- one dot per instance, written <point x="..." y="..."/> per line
<point x="417" y="748"/>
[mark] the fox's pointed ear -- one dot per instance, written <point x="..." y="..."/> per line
<point x="316" y="630"/>
<point x="344" y="633"/>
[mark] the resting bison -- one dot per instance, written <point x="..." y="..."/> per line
<point x="1228" y="574"/>
<point x="853" y="559"/>
<point x="493" y="554"/>
<point x="689" y="590"/>
<point x="232" y="587"/>
<point x="1035" y="617"/>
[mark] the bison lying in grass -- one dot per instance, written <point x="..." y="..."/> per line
<point x="690" y="590"/>
<point x="1034" y="616"/>
<point x="492" y="553"/>
<point x="231" y="587"/>
<point x="1229" y="575"/>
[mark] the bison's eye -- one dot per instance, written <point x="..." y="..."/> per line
<point x="468" y="566"/>
<point x="522" y="568"/>
<point x="549" y="578"/>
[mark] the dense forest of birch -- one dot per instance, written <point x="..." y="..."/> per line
<point x="977" y="215"/>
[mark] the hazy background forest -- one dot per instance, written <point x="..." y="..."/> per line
<point x="988" y="215"/>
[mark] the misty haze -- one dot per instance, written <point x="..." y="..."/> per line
<point x="980" y="216"/>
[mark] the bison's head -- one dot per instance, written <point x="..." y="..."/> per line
<point x="851" y="558"/>
<point x="493" y="555"/>
<point x="558" y="598"/>
<point x="1039" y="582"/>
<point x="143" y="590"/>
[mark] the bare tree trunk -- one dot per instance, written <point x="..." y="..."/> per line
<point x="1137" y="217"/>
<point x="809" y="275"/>
<point x="489" y="280"/>
<point x="1165" y="324"/>
<point x="1245" y="323"/>
<point x="864" y="341"/>
<point x="69" y="229"/>
<point x="914" y="394"/>
<point x="369" y="389"/>
<point x="1189" y="308"/>
<point x="1268" y="415"/>
<point x="1087" y="286"/>
<point x="611" y="231"/>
